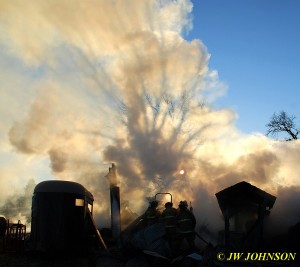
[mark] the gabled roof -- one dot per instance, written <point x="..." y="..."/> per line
<point x="237" y="197"/>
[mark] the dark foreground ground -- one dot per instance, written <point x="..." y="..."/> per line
<point x="27" y="260"/>
<point x="98" y="260"/>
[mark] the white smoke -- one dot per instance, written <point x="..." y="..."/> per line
<point x="90" y="82"/>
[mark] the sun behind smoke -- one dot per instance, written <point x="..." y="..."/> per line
<point x="115" y="81"/>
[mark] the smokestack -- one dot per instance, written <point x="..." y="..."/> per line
<point x="115" y="202"/>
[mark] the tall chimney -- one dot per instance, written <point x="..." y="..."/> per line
<point x="114" y="202"/>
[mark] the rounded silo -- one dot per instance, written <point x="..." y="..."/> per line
<point x="60" y="216"/>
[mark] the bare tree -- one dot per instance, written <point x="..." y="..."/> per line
<point x="283" y="123"/>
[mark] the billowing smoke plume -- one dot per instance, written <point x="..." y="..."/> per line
<point x="86" y="83"/>
<point x="17" y="207"/>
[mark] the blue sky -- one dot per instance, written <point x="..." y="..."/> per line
<point x="255" y="47"/>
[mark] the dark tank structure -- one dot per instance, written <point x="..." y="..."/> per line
<point x="62" y="217"/>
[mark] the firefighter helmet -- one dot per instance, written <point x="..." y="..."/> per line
<point x="153" y="204"/>
<point x="183" y="204"/>
<point x="168" y="204"/>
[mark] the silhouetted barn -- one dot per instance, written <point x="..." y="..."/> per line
<point x="61" y="216"/>
<point x="244" y="207"/>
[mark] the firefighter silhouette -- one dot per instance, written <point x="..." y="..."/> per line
<point x="168" y="217"/>
<point x="186" y="223"/>
<point x="152" y="214"/>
